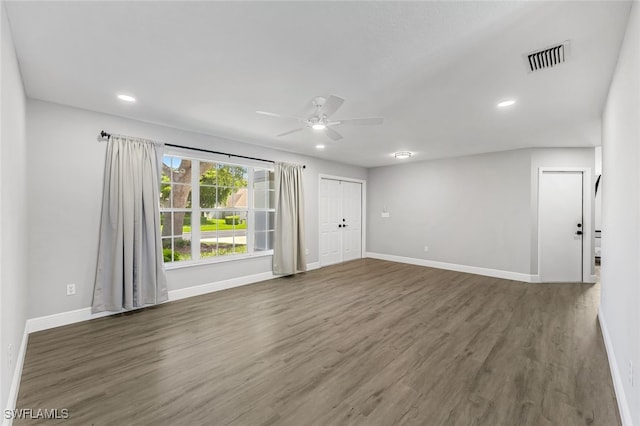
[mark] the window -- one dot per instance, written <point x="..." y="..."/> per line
<point x="231" y="212"/>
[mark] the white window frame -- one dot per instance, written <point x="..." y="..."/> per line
<point x="196" y="210"/>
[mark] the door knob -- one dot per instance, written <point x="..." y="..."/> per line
<point x="579" y="225"/>
<point x="340" y="226"/>
<point x="345" y="225"/>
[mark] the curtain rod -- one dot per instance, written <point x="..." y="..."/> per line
<point x="105" y="136"/>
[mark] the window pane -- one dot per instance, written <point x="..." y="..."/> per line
<point x="180" y="196"/>
<point x="270" y="237"/>
<point x="182" y="224"/>
<point x="238" y="199"/>
<point x="272" y="199"/>
<point x="165" y="193"/>
<point x="271" y="219"/>
<point x="232" y="176"/>
<point x="208" y="173"/>
<point x="261" y="243"/>
<point x="180" y="170"/>
<point x="208" y="247"/>
<point x="209" y="224"/>
<point x="240" y="175"/>
<point x="167" y="249"/>
<point x="166" y="224"/>
<point x="210" y="221"/>
<point x="259" y="198"/>
<point x="176" y="249"/>
<point x="207" y="197"/>
<point x="167" y="165"/>
<point x="240" y="239"/>
<point x="260" y="221"/>
<point x="262" y="189"/>
<point x="182" y="249"/>
<point x="260" y="176"/>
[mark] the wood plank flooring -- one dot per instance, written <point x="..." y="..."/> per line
<point x="367" y="342"/>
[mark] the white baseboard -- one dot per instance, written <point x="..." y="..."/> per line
<point x="623" y="406"/>
<point x="516" y="276"/>
<point x="63" y="318"/>
<point x="84" y="314"/>
<point x="17" y="376"/>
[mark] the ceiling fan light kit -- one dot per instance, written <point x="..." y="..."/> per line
<point x="319" y="119"/>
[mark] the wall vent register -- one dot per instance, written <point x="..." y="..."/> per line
<point x="547" y="58"/>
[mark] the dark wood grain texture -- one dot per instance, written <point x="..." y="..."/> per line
<point x="367" y="342"/>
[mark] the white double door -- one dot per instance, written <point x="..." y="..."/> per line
<point x="340" y="221"/>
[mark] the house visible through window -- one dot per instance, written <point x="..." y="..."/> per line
<point x="231" y="212"/>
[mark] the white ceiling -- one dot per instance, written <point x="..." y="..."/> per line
<point x="433" y="70"/>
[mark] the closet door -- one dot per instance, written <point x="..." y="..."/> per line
<point x="330" y="218"/>
<point x="351" y="221"/>
<point x="340" y="221"/>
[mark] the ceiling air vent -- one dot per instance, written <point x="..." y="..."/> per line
<point x="547" y="58"/>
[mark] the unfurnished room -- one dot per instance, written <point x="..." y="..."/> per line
<point x="320" y="212"/>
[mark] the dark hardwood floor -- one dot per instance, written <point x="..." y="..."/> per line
<point x="367" y="342"/>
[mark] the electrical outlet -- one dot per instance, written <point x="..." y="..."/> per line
<point x="426" y="248"/>
<point x="71" y="289"/>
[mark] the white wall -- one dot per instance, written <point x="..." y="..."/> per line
<point x="468" y="210"/>
<point x="478" y="211"/>
<point x="620" y="274"/>
<point x="66" y="165"/>
<point x="13" y="202"/>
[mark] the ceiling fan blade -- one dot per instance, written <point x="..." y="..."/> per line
<point x="332" y="134"/>
<point x="331" y="105"/>
<point x="291" y="131"/>
<point x="359" y="121"/>
<point x="273" y="114"/>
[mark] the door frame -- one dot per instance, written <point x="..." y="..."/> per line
<point x="363" y="210"/>
<point x="587" y="220"/>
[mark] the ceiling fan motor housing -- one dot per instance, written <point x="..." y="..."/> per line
<point x="319" y="101"/>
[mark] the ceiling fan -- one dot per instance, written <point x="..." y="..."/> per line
<point x="319" y="119"/>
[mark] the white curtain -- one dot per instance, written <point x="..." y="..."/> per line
<point x="289" y="250"/>
<point x="130" y="271"/>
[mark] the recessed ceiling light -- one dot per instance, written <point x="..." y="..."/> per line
<point x="319" y="146"/>
<point x="506" y="103"/>
<point x="126" y="98"/>
<point x="401" y="155"/>
<point x="318" y="126"/>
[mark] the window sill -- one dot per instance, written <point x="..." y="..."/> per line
<point x="214" y="260"/>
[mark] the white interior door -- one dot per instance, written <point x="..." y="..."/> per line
<point x="330" y="218"/>
<point x="340" y="221"/>
<point x="561" y="226"/>
<point x="351" y="220"/>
